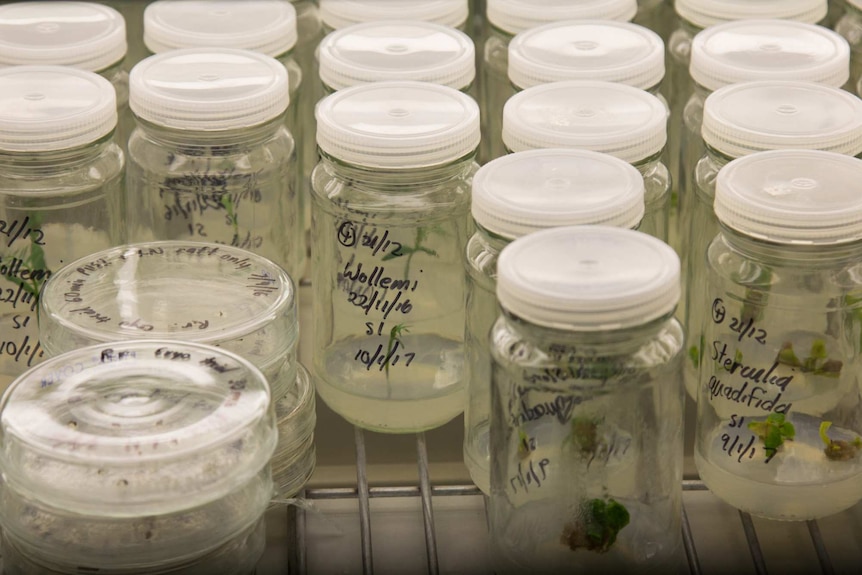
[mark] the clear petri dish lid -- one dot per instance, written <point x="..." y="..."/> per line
<point x="706" y="13"/>
<point x="587" y="50"/>
<point x="397" y="50"/>
<point x="208" y="89"/>
<point x="397" y="125"/>
<point x="194" y="292"/>
<point x="615" y="119"/>
<point x="138" y="427"/>
<point x="265" y="26"/>
<point x="46" y="108"/>
<point x="749" y="50"/>
<point x="792" y="197"/>
<point x="741" y="119"/>
<point x="588" y="278"/>
<point x="337" y="14"/>
<point x="524" y="192"/>
<point x="515" y="16"/>
<point x="82" y="35"/>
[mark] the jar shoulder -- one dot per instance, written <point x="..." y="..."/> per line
<point x="104" y="169"/>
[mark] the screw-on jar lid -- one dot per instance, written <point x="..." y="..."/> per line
<point x="706" y="13"/>
<point x="208" y="89"/>
<point x="132" y="293"/>
<point x="515" y="16"/>
<point x="397" y="50"/>
<point x="136" y="428"/>
<point x="588" y="278"/>
<point x="768" y="50"/>
<point x="82" y="35"/>
<point x="619" y="120"/>
<point x="587" y="50"/>
<point x="337" y="14"/>
<point x="397" y="125"/>
<point x="792" y="197"/>
<point x="521" y="193"/>
<point x="265" y="26"/>
<point x="741" y="119"/>
<point x="45" y="108"/>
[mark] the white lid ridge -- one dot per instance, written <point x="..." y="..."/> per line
<point x="588" y="278"/>
<point x="514" y="16"/>
<point x="524" y="192"/>
<point x="265" y="26"/>
<point x="706" y="13"/>
<point x="337" y="14"/>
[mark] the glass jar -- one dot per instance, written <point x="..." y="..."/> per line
<point x="658" y="16"/>
<point x="586" y="425"/>
<point x="777" y="431"/>
<point x="753" y="50"/>
<point x="506" y="18"/>
<point x="82" y="35"/>
<point x="135" y="456"/>
<point x="390" y="220"/>
<point x="211" y="159"/>
<point x="338" y="14"/>
<point x="61" y="191"/>
<point x="850" y="27"/>
<point x="396" y="50"/>
<point x="615" y="119"/>
<point x="513" y="196"/>
<point x="739" y="120"/>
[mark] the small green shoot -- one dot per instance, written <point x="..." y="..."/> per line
<point x="394" y="337"/>
<point x="838" y="449"/>
<point x="417" y="247"/>
<point x="773" y="432"/>
<point x="598" y="524"/>
<point x="227" y="202"/>
<point x="33" y="258"/>
<point x="817" y="362"/>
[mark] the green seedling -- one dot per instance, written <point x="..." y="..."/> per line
<point x="599" y="522"/>
<point x="838" y="449"/>
<point x="773" y="432"/>
<point x="817" y="362"/>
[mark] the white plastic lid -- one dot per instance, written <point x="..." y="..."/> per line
<point x="515" y="16"/>
<point x="587" y="50"/>
<point x="265" y="26"/>
<point x="588" y="278"/>
<point x="150" y="426"/>
<point x="397" y="50"/>
<point x="706" y="13"/>
<point x="855" y="3"/>
<point x="521" y="193"/>
<point x="616" y="119"/>
<point x="741" y="119"/>
<point x="44" y="108"/>
<point x="337" y="14"/>
<point x="768" y="50"/>
<point x="208" y="89"/>
<point x="397" y="125"/>
<point x="792" y="197"/>
<point x="82" y="35"/>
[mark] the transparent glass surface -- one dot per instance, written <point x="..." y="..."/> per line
<point x="54" y="208"/>
<point x="587" y="432"/>
<point x="691" y="149"/>
<point x="495" y="90"/>
<point x="779" y="385"/>
<point x="295" y="458"/>
<point x="657" y="15"/>
<point x="850" y="26"/>
<point x="389" y="297"/>
<point x="657" y="197"/>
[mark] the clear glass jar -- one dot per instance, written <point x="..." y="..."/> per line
<point x="506" y="18"/>
<point x="61" y="191"/>
<point x="211" y="159"/>
<point x="135" y="457"/>
<point x="390" y="220"/>
<point x="586" y="425"/>
<point x="615" y="119"/>
<point x="739" y="120"/>
<point x="513" y="196"/>
<point x="850" y="27"/>
<point x="658" y="16"/>
<point x="83" y="35"/>
<point x="777" y="431"/>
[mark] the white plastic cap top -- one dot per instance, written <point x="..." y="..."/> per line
<point x="773" y="115"/>
<point x="45" y="108"/>
<point x="397" y="125"/>
<point x="706" y="13"/>
<point x="82" y="35"/>
<point x="208" y="89"/>
<point x="265" y="26"/>
<point x="588" y="278"/>
<point x="768" y="50"/>
<point x="616" y="119"/>
<point x="337" y="14"/>
<point x="792" y="197"/>
<point x="855" y="3"/>
<point x="515" y="16"/>
<point x="587" y="50"/>
<point x="521" y="193"/>
<point x="397" y="50"/>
